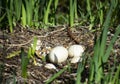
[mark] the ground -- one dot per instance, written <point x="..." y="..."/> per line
<point x="54" y="36"/>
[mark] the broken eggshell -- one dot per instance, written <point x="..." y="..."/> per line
<point x="76" y="59"/>
<point x="58" y="54"/>
<point x="38" y="45"/>
<point x="50" y="66"/>
<point x="75" y="50"/>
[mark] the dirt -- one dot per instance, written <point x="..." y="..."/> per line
<point x="10" y="68"/>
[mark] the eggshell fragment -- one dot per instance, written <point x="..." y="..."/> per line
<point x="75" y="50"/>
<point x="38" y="45"/>
<point x="50" y="66"/>
<point x="58" y="54"/>
<point x="76" y="59"/>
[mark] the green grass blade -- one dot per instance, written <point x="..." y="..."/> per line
<point x="23" y="15"/>
<point x="75" y="4"/>
<point x="101" y="13"/>
<point x="79" y="71"/>
<point x="96" y="50"/>
<point x="2" y="17"/>
<point x="36" y="14"/>
<point x="10" y="20"/>
<point x="34" y="45"/>
<point x="71" y="15"/>
<point x="9" y="15"/>
<point x="13" y="54"/>
<point x="105" y="30"/>
<point x="29" y="11"/>
<point x="97" y="63"/>
<point x="29" y="52"/>
<point x="116" y="79"/>
<point x="56" y="4"/>
<point x="94" y="64"/>
<point x="111" y="44"/>
<point x="17" y="7"/>
<point x="88" y="7"/>
<point x="24" y="63"/>
<point x="46" y="12"/>
<point x="56" y="75"/>
<point x="92" y="18"/>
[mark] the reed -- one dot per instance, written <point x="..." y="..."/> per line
<point x="96" y="15"/>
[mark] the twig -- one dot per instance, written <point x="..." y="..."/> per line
<point x="47" y="34"/>
<point x="22" y="44"/>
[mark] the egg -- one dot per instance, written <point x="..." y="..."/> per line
<point x="58" y="54"/>
<point x="75" y="50"/>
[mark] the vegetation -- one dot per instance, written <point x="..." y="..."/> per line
<point x="98" y="15"/>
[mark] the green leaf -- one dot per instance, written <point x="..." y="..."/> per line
<point x="105" y="58"/>
<point x="13" y="54"/>
<point x="79" y="71"/>
<point x="24" y="63"/>
<point x="56" y="75"/>
<point x="116" y="79"/>
<point x="3" y="16"/>
<point x="23" y="16"/>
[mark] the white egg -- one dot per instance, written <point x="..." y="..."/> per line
<point x="75" y="50"/>
<point x="58" y="54"/>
